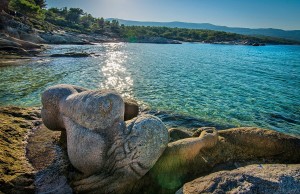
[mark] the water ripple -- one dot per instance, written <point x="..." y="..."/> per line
<point x="189" y="85"/>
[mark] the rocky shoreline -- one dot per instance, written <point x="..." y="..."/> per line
<point x="20" y="41"/>
<point x="39" y="161"/>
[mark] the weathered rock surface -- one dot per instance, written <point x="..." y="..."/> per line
<point x="16" y="173"/>
<point x="7" y="40"/>
<point x="62" y="38"/>
<point x="115" y="156"/>
<point x="95" y="110"/>
<point x="17" y="39"/>
<point x="258" y="178"/>
<point x="234" y="145"/>
<point x="10" y="45"/>
<point x="18" y="28"/>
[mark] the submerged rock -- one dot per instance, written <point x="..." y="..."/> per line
<point x="71" y="54"/>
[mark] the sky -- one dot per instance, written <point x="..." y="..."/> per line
<point x="281" y="14"/>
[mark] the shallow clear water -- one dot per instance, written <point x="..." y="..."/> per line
<point x="222" y="84"/>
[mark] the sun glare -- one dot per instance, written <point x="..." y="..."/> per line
<point x="114" y="71"/>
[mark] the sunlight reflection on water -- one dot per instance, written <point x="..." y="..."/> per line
<point x="221" y="84"/>
<point x="114" y="71"/>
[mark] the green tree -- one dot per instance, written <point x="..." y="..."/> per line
<point x="74" y="15"/>
<point x="40" y="3"/>
<point x="114" y="26"/>
<point x="4" y="5"/>
<point x="101" y="23"/>
<point x="27" y="7"/>
<point x="87" y="20"/>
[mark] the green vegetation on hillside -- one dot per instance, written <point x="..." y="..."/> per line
<point x="75" y="19"/>
<point x="31" y="8"/>
<point x="194" y="35"/>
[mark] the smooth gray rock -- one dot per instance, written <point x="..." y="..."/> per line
<point x="110" y="155"/>
<point x="51" y="101"/>
<point x="95" y="110"/>
<point x="129" y="158"/>
<point x="149" y="136"/>
<point x="268" y="178"/>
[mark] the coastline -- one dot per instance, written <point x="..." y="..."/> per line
<point x="19" y="40"/>
<point x="15" y="57"/>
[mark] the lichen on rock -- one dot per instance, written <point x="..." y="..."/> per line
<point x="16" y="173"/>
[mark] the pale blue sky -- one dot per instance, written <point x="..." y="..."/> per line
<point x="282" y="14"/>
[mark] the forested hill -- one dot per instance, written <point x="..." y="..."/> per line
<point x="76" y="19"/>
<point x="286" y="34"/>
<point x="35" y="14"/>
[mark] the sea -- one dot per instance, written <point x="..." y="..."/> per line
<point x="187" y="85"/>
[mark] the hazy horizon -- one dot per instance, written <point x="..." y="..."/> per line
<point x="199" y="23"/>
<point x="232" y="13"/>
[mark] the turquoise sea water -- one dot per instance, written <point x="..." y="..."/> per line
<point x="204" y="84"/>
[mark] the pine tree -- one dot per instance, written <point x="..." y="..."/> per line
<point x="40" y="3"/>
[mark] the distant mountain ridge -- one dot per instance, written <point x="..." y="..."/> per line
<point x="287" y="34"/>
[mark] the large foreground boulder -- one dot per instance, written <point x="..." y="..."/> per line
<point x="269" y="178"/>
<point x="116" y="154"/>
